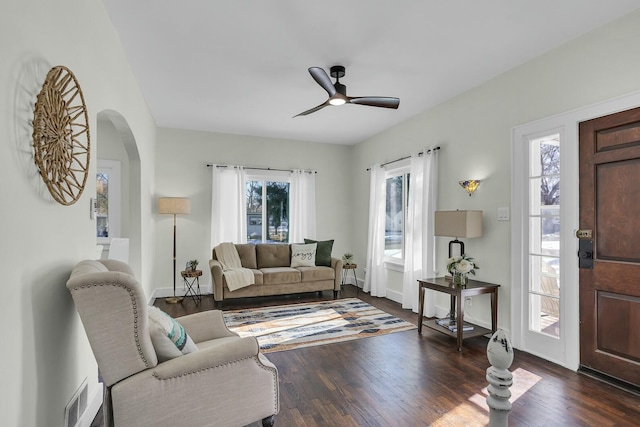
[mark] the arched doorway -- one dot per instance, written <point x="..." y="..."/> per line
<point x="116" y="143"/>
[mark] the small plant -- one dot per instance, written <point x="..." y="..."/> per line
<point x="347" y="258"/>
<point x="193" y="264"/>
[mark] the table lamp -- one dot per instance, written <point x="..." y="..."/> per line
<point x="464" y="224"/>
<point x="174" y="206"/>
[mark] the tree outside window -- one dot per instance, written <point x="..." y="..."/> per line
<point x="267" y="222"/>
<point x="397" y="190"/>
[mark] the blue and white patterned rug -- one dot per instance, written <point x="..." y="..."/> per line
<point x="291" y="326"/>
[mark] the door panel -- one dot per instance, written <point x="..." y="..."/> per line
<point x="610" y="206"/>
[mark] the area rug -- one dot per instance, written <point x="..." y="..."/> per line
<point x="286" y="327"/>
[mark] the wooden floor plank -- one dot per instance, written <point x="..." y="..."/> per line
<point x="406" y="379"/>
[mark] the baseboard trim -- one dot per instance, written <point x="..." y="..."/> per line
<point x="612" y="381"/>
<point x="168" y="292"/>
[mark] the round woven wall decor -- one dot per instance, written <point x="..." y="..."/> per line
<point x="61" y="136"/>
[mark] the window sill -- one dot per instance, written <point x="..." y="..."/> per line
<point x="394" y="265"/>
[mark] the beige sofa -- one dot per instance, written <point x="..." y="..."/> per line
<point x="273" y="275"/>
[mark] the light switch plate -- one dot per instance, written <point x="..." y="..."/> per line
<point x="503" y="214"/>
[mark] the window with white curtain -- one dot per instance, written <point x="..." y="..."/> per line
<point x="262" y="205"/>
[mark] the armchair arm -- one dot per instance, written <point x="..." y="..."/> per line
<point x="206" y="325"/>
<point x="216" y="276"/>
<point x="209" y="357"/>
<point x="336" y="264"/>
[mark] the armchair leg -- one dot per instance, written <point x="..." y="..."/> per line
<point x="269" y="421"/>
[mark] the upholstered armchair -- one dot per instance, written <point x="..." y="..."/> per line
<point x="223" y="381"/>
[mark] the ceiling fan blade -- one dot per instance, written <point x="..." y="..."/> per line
<point x="321" y="77"/>
<point x="312" y="110"/>
<point x="376" y="101"/>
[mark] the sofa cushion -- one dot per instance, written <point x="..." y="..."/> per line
<point x="247" y="254"/>
<point x="273" y="255"/>
<point x="257" y="275"/>
<point x="303" y="255"/>
<point x="280" y="275"/>
<point x="314" y="274"/>
<point x="168" y="336"/>
<point x="323" y="252"/>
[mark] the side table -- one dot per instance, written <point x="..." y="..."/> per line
<point x="192" y="284"/>
<point x="345" y="273"/>
<point x="458" y="293"/>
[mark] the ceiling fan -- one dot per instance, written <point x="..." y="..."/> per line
<point x="338" y="92"/>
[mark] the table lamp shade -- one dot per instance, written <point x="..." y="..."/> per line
<point x="465" y="224"/>
<point x="174" y="205"/>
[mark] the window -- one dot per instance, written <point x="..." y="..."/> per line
<point x="107" y="201"/>
<point x="267" y="209"/>
<point x="544" y="235"/>
<point x="397" y="199"/>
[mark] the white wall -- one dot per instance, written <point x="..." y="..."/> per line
<point x="181" y="171"/>
<point x="45" y="353"/>
<point x="474" y="131"/>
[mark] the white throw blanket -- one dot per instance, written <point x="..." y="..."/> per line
<point x="237" y="277"/>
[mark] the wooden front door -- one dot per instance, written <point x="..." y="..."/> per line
<point x="610" y="207"/>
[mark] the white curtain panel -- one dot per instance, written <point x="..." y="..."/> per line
<point x="374" y="281"/>
<point x="228" y="205"/>
<point x="302" y="212"/>
<point x="419" y="255"/>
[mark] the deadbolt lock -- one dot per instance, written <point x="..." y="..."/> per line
<point x="584" y="234"/>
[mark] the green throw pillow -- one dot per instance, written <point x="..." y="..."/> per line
<point x="323" y="252"/>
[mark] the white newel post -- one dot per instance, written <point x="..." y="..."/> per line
<point x="500" y="355"/>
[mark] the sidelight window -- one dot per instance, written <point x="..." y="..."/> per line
<point x="544" y="235"/>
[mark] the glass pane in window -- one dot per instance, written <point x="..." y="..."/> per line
<point x="102" y="201"/>
<point x="254" y="211"/>
<point x="544" y="235"/>
<point x="278" y="211"/>
<point x="545" y="315"/>
<point x="394" y="222"/>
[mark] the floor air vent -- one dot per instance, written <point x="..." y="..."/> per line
<point x="76" y="406"/>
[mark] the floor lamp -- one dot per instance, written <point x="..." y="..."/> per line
<point x="174" y="206"/>
<point x="465" y="224"/>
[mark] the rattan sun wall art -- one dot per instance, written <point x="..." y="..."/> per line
<point x="61" y="140"/>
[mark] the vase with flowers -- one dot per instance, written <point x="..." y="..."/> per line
<point x="460" y="267"/>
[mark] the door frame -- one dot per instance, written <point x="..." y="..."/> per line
<point x="567" y="123"/>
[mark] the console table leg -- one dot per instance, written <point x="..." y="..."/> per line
<point x="421" y="307"/>
<point x="494" y="310"/>
<point x="460" y="321"/>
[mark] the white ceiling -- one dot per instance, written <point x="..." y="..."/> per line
<point x="240" y="66"/>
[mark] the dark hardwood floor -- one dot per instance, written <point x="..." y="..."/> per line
<point x="405" y="379"/>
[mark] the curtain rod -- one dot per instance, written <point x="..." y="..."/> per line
<point x="209" y="165"/>
<point x="405" y="158"/>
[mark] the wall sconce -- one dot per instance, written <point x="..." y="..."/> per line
<point x="470" y="185"/>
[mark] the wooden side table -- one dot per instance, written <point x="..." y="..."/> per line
<point x="458" y="293"/>
<point x="345" y="273"/>
<point x="191" y="280"/>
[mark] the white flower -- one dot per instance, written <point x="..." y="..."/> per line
<point x="464" y="266"/>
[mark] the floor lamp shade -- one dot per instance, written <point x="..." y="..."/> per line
<point x="174" y="206"/>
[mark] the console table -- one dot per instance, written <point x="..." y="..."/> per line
<point x="458" y="294"/>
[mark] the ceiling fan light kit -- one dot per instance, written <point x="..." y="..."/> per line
<point x="338" y="92"/>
